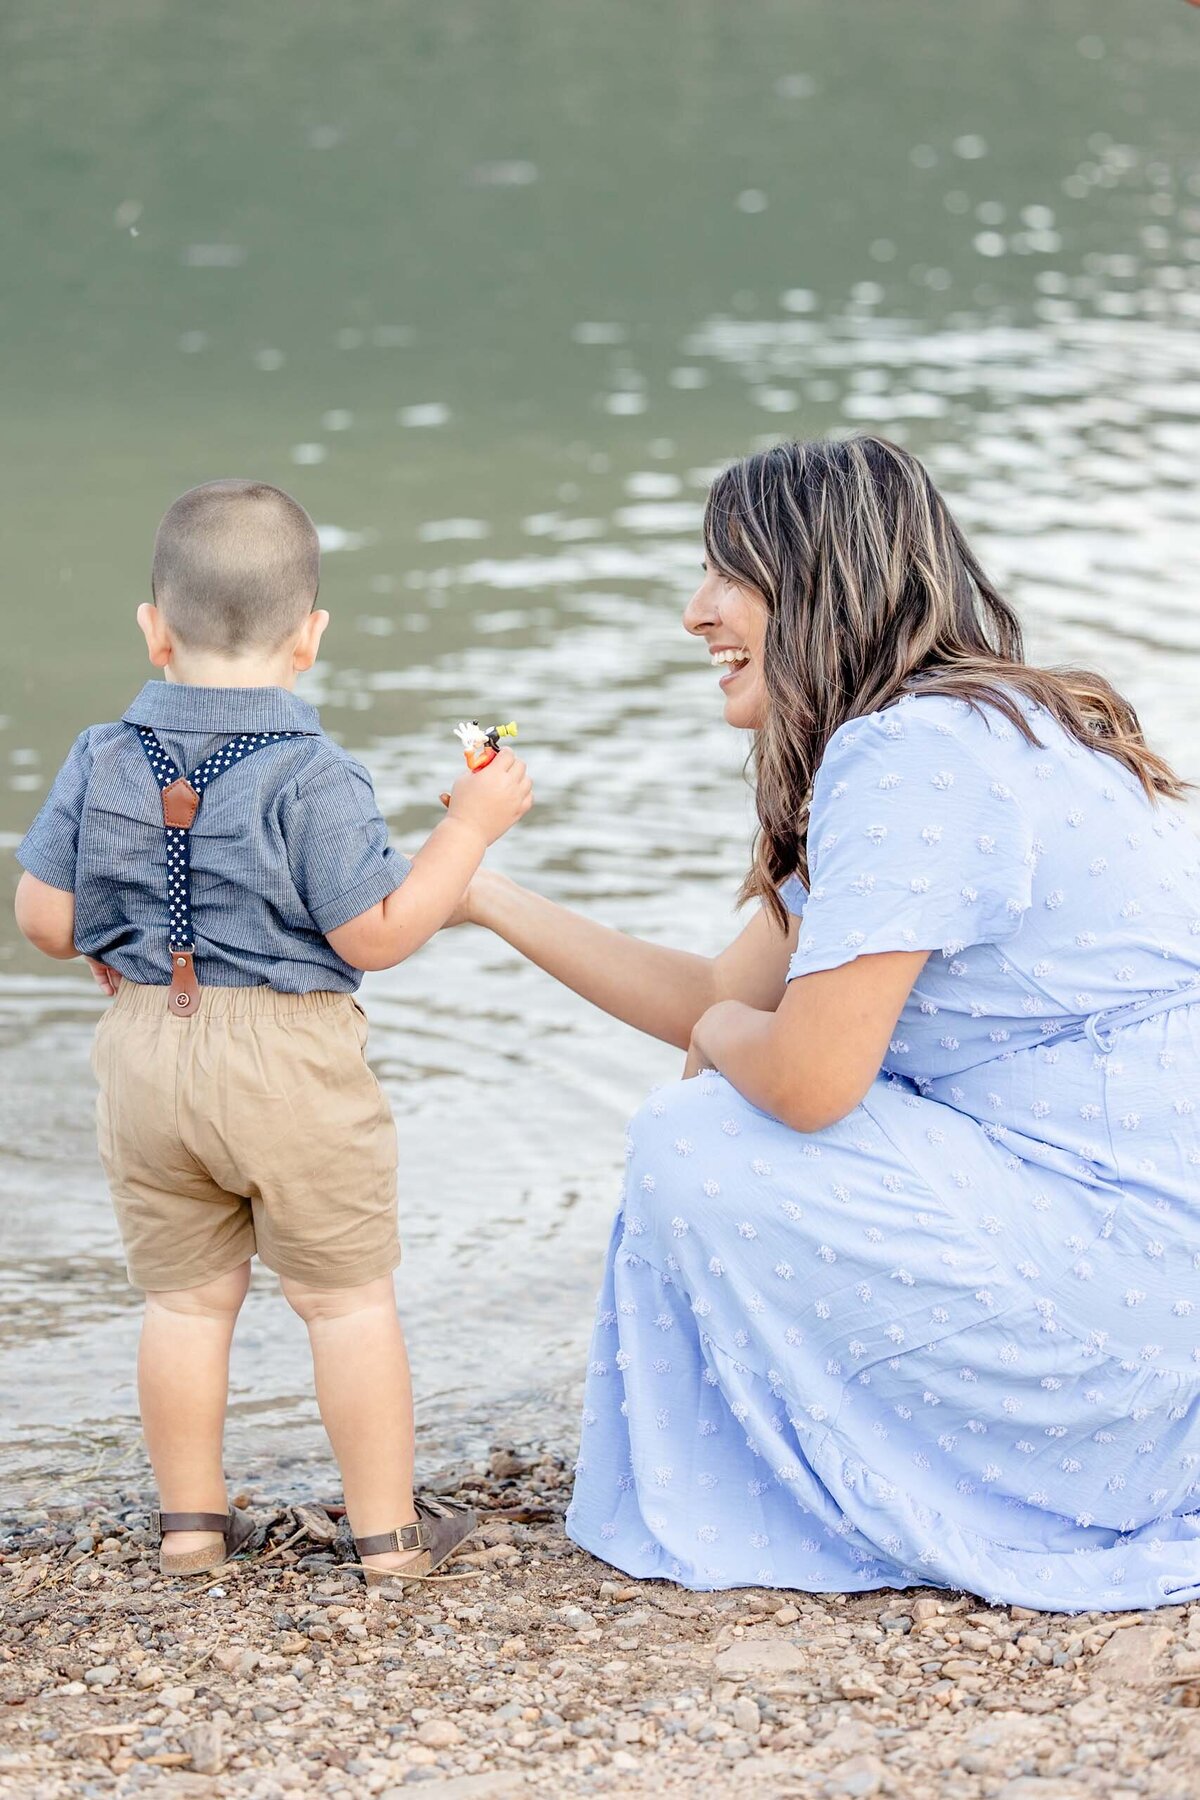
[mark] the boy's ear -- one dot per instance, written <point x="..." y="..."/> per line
<point x="304" y="655"/>
<point x="153" y="628"/>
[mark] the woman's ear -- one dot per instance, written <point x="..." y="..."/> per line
<point x="304" y="655"/>
<point x="153" y="628"/>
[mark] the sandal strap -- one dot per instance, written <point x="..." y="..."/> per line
<point x="405" y="1537"/>
<point x="163" y="1522"/>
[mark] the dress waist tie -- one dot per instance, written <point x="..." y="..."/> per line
<point x="1099" y="1027"/>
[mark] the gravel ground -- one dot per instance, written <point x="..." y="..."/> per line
<point x="533" y="1669"/>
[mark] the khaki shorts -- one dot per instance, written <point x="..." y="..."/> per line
<point x="253" y="1127"/>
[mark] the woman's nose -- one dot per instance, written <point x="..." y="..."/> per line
<point x="699" y="615"/>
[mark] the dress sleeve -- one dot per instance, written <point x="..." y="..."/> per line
<point x="794" y="895"/>
<point x="337" y="840"/>
<point x="51" y="845"/>
<point x="916" y="841"/>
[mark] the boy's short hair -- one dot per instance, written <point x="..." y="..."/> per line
<point x="236" y="566"/>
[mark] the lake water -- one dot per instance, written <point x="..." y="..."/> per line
<point x="493" y="290"/>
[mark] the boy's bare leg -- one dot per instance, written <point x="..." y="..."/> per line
<point x="183" y="1384"/>
<point x="364" y="1391"/>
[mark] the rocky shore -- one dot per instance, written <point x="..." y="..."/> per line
<point x="532" y="1669"/>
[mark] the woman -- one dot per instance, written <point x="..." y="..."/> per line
<point x="902" y="1289"/>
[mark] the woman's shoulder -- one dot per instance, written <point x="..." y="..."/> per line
<point x="926" y="731"/>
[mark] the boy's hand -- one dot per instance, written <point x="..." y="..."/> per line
<point x="493" y="799"/>
<point x="107" y="980"/>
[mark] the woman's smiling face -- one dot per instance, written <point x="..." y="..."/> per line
<point x="732" y="620"/>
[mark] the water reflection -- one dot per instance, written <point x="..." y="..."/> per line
<point x="503" y="385"/>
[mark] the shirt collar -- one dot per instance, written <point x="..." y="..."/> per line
<point x="172" y="706"/>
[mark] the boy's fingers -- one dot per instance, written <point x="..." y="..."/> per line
<point x="106" y="979"/>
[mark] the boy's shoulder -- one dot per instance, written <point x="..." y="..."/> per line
<point x="326" y="759"/>
<point x="308" y="753"/>
<point x="310" y="770"/>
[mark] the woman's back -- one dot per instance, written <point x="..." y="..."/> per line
<point x="1049" y="885"/>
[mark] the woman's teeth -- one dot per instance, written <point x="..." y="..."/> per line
<point x="721" y="657"/>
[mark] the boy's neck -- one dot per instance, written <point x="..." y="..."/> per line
<point x="197" y="670"/>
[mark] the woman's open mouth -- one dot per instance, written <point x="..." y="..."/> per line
<point x="733" y="662"/>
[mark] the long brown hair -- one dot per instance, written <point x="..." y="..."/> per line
<point x="872" y="591"/>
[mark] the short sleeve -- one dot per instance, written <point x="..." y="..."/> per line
<point x="916" y="839"/>
<point x="337" y="843"/>
<point x="794" y="895"/>
<point x="51" y="845"/>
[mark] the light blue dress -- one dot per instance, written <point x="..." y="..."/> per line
<point x="955" y="1338"/>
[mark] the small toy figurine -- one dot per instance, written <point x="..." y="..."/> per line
<point x="481" y="747"/>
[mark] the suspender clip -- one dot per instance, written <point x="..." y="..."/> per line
<point x="183" y="996"/>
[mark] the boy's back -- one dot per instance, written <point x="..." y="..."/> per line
<point x="287" y="846"/>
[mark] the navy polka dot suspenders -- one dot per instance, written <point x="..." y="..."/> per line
<point x="181" y="797"/>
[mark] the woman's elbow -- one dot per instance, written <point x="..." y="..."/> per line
<point x="820" y="1104"/>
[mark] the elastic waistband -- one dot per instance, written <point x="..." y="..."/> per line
<point x="134" y="998"/>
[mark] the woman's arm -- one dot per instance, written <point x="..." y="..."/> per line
<point x="811" y="1060"/>
<point x="657" y="990"/>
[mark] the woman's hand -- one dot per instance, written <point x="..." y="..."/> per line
<point x="707" y="1033"/>
<point x="813" y="1058"/>
<point x="698" y="1058"/>
<point x="472" y="909"/>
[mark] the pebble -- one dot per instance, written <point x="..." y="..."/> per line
<point x="759" y="1657"/>
<point x="860" y="1686"/>
<point x="205" y="1746"/>
<point x="745" y="1714"/>
<point x="1132" y="1656"/>
<point x="177" y="1696"/>
<point x="439" y="1734"/>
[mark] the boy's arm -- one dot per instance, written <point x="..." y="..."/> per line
<point x="45" y="904"/>
<point x="373" y="906"/>
<point x="46" y="916"/>
<point x="406" y="919"/>
<point x="482" y="808"/>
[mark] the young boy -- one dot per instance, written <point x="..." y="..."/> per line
<point x="237" y="1114"/>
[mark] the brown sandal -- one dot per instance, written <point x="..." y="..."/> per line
<point x="438" y="1530"/>
<point x="236" y="1528"/>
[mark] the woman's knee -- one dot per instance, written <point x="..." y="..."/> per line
<point x="671" y="1109"/>
<point x="220" y="1298"/>
<point x="678" y="1119"/>
<point x="316" y="1305"/>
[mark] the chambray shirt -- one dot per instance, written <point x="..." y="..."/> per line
<point x="286" y="846"/>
